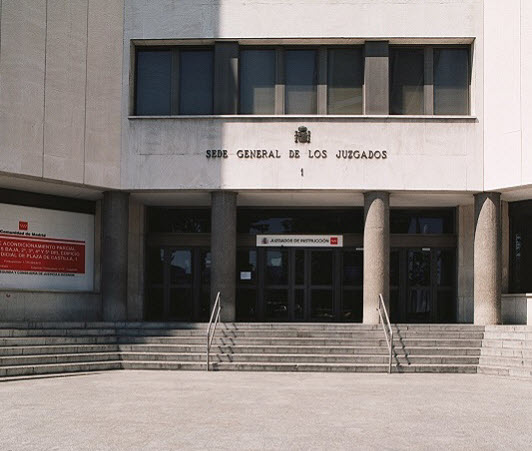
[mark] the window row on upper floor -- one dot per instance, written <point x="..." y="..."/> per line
<point x="186" y="80"/>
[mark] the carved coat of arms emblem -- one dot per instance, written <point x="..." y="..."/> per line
<point x="302" y="135"/>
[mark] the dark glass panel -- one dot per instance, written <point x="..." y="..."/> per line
<point x="276" y="267"/>
<point x="407" y="67"/>
<point x="155" y="265"/>
<point x="300" y="266"/>
<point x="300" y="81"/>
<point x="322" y="305"/>
<point x="445" y="268"/>
<point x="196" y="82"/>
<point x="394" y="268"/>
<point x="276" y="304"/>
<point x="321" y="268"/>
<point x="345" y="80"/>
<point x="395" y="313"/>
<point x="521" y="246"/>
<point x="181" y="267"/>
<point x="154" y="301"/>
<point x="205" y="268"/>
<point x="180" y="303"/>
<point x="446" y="306"/>
<point x="451" y="81"/>
<point x="177" y="220"/>
<point x="353" y="268"/>
<point x="257" y="81"/>
<point x="246" y="301"/>
<point x="299" y="305"/>
<point x="418" y="268"/>
<point x="311" y="221"/>
<point x="153" y="84"/>
<point x="205" y="303"/>
<point x="246" y="266"/>
<point x="422" y="221"/>
<point x="352" y="306"/>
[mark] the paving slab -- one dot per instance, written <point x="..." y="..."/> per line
<point x="163" y="410"/>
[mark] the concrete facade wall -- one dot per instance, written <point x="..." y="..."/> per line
<point x="516" y="308"/>
<point x="60" y="90"/>
<point x="50" y="306"/>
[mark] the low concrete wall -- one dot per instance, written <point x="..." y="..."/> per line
<point x="49" y="306"/>
<point x="517" y="308"/>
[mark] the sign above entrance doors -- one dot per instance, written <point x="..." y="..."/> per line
<point x="300" y="241"/>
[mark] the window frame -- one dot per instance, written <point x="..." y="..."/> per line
<point x="175" y="74"/>
<point x="428" y="75"/>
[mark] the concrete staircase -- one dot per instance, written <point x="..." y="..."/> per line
<point x="507" y="351"/>
<point x="29" y="349"/>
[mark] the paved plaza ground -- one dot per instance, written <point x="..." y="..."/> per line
<point x="129" y="410"/>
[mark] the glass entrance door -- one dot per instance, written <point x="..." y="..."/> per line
<point x="419" y="305"/>
<point x="178" y="284"/>
<point x="294" y="284"/>
<point x="422" y="285"/>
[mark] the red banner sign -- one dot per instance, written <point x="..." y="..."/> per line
<point x="42" y="255"/>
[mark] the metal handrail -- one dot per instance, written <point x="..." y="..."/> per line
<point x="389" y="341"/>
<point x="215" y="315"/>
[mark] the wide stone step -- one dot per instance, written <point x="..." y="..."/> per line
<point x="505" y="361"/>
<point x="507" y="343"/>
<point x="304" y="341"/>
<point x="40" y="341"/>
<point x="56" y="332"/>
<point x="58" y="358"/>
<point x="525" y="372"/>
<point x="26" y="370"/>
<point x="300" y="358"/>
<point x="507" y="352"/>
<point x="53" y="349"/>
<point x="508" y="335"/>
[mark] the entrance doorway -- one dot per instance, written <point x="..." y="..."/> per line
<point x="178" y="285"/>
<point x="422" y="285"/>
<point x="294" y="284"/>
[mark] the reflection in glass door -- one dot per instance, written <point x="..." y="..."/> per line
<point x="294" y="284"/>
<point x="419" y="290"/>
<point x="178" y="284"/>
<point x="321" y="285"/>
<point x="423" y="285"/>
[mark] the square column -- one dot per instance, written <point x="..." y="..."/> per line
<point x="376" y="254"/>
<point x="223" y="251"/>
<point x="115" y="220"/>
<point x="487" y="259"/>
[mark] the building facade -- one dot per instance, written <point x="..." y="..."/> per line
<point x="300" y="158"/>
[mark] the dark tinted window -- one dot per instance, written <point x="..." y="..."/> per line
<point x="300" y="81"/>
<point x="422" y="221"/>
<point x="451" y="81"/>
<point x="268" y="221"/>
<point x="345" y="77"/>
<point x="521" y="247"/>
<point x="257" y="81"/>
<point x="196" y="82"/>
<point x="407" y="68"/>
<point x="179" y="220"/>
<point x="154" y="71"/>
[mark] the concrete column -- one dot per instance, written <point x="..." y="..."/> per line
<point x="487" y="259"/>
<point x="223" y="251"/>
<point x="376" y="78"/>
<point x="115" y="219"/>
<point x="376" y="253"/>
<point x="226" y="78"/>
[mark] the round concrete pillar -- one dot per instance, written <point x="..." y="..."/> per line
<point x="487" y="259"/>
<point x="376" y="253"/>
<point x="115" y="227"/>
<point x="223" y="251"/>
